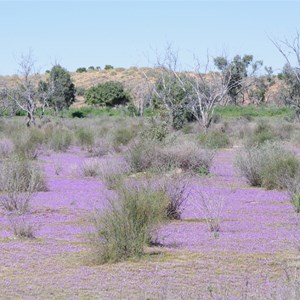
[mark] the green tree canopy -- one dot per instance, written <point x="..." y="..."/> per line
<point x="110" y="93"/>
<point x="63" y="88"/>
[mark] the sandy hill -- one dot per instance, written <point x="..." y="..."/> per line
<point x="133" y="79"/>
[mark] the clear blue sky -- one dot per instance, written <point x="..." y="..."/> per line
<point x="123" y="34"/>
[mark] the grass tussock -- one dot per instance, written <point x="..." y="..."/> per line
<point x="124" y="229"/>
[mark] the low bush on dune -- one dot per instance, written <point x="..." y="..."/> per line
<point x="124" y="228"/>
<point x="267" y="165"/>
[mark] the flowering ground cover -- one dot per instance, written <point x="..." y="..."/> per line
<point x="254" y="255"/>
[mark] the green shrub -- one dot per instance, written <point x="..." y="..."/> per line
<point x="263" y="132"/>
<point x="60" y="140"/>
<point x="122" y="137"/>
<point x="27" y="142"/>
<point x="156" y="132"/>
<point x="296" y="202"/>
<point x="85" y="137"/>
<point x="110" y="94"/>
<point x="281" y="167"/>
<point x="124" y="229"/>
<point x="214" y="139"/>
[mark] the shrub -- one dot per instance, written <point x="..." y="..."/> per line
<point x="124" y="229"/>
<point x="123" y="136"/>
<point x="211" y="208"/>
<point x="187" y="156"/>
<point x="263" y="132"/>
<point x="282" y="167"/>
<point x="19" y="179"/>
<point x="21" y="227"/>
<point x="85" y="137"/>
<point x="293" y="187"/>
<point x="176" y="189"/>
<point x="101" y="147"/>
<point x="214" y="139"/>
<point x="267" y="164"/>
<point x="296" y="202"/>
<point x="156" y="132"/>
<point x="6" y="147"/>
<point x="60" y="140"/>
<point x="28" y="142"/>
<point x="141" y="156"/>
<point x="110" y="170"/>
<point x="90" y="167"/>
<point x="110" y="93"/>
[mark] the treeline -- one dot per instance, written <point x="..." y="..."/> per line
<point x="180" y="96"/>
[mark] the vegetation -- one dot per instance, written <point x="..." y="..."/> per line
<point x="107" y="94"/>
<point x="268" y="165"/>
<point x="124" y="229"/>
<point x="63" y="94"/>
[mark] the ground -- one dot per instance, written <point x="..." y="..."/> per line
<point x="253" y="254"/>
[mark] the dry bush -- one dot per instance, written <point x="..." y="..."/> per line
<point x="156" y="157"/>
<point x="110" y="169"/>
<point x="177" y="190"/>
<point x="267" y="164"/>
<point x="22" y="227"/>
<point x="211" y="207"/>
<point x="187" y="156"/>
<point x="6" y="147"/>
<point x="102" y="146"/>
<point x="91" y="167"/>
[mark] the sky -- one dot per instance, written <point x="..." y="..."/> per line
<point x="134" y="33"/>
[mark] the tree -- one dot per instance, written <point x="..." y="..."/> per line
<point x="197" y="92"/>
<point x="290" y="50"/>
<point x="258" y="91"/>
<point x="237" y="71"/>
<point x="110" y="93"/>
<point x="64" y="91"/>
<point x="25" y="93"/>
<point x="81" y="70"/>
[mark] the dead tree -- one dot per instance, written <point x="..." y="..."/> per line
<point x="198" y="92"/>
<point x="290" y="50"/>
<point x="25" y="92"/>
